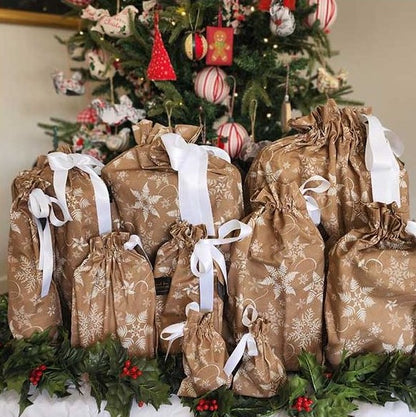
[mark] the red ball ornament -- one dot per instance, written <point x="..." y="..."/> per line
<point x="210" y="84"/>
<point x="196" y="46"/>
<point x="231" y="137"/>
<point x="326" y="12"/>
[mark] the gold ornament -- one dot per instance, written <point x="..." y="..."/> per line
<point x="196" y="46"/>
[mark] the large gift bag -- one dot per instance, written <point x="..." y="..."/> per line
<point x="260" y="373"/>
<point x="348" y="147"/>
<point x="280" y="271"/>
<point x="114" y="294"/>
<point x="204" y="355"/>
<point x="190" y="268"/>
<point x="165" y="179"/>
<point x="371" y="292"/>
<point x="34" y="303"/>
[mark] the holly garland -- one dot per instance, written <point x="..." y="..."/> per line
<point x="48" y="362"/>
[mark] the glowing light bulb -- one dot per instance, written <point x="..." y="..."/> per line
<point x="265" y="40"/>
<point x="268" y="115"/>
<point x="81" y="32"/>
<point x="275" y="46"/>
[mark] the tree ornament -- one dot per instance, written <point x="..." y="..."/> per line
<point x="264" y="5"/>
<point x="99" y="65"/>
<point x="119" y="143"/>
<point x="79" y="3"/>
<point x="76" y="50"/>
<point x="282" y="20"/>
<point x="210" y="84"/>
<point x="326" y="13"/>
<point x="220" y="44"/>
<point x="196" y="46"/>
<point x="328" y="83"/>
<point x="160" y="68"/>
<point x="73" y="86"/>
<point x="87" y="116"/>
<point x="286" y="110"/>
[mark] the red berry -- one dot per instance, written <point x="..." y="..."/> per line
<point x="127" y="363"/>
<point x="206" y="406"/>
<point x="214" y="401"/>
<point x="299" y="408"/>
<point x="43" y="367"/>
<point x="35" y="383"/>
<point x="211" y="408"/>
<point x="139" y="373"/>
<point x="201" y="401"/>
<point x="140" y="403"/>
<point x="134" y="376"/>
<point x="215" y="407"/>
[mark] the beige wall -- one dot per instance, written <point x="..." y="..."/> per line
<point x="376" y="43"/>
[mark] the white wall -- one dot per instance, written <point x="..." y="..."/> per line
<point x="376" y="43"/>
<point x="28" y="56"/>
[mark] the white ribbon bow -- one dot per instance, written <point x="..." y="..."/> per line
<point x="175" y="331"/>
<point x="41" y="207"/>
<point x="134" y="241"/>
<point x="61" y="163"/>
<point x="205" y="254"/>
<point x="411" y="228"/>
<point x="381" y="161"/>
<point x="311" y="204"/>
<point x="191" y="163"/>
<point x="246" y="342"/>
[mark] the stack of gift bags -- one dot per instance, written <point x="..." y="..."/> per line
<point x="156" y="249"/>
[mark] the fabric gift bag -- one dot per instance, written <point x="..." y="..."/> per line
<point x="371" y="292"/>
<point x="34" y="303"/>
<point x="114" y="294"/>
<point x="352" y="150"/>
<point x="261" y="372"/>
<point x="159" y="182"/>
<point x="279" y="270"/>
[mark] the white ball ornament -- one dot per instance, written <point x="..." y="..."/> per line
<point x="231" y="137"/>
<point x="326" y="12"/>
<point x="211" y="85"/>
<point x="282" y="21"/>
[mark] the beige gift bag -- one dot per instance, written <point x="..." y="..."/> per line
<point x="371" y="293"/>
<point x="149" y="182"/>
<point x="280" y="271"/>
<point x="261" y="372"/>
<point x="114" y="294"/>
<point x="347" y="148"/>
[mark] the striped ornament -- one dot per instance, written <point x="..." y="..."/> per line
<point x="79" y="3"/>
<point x="196" y="46"/>
<point x="326" y="12"/>
<point x="231" y="137"/>
<point x="210" y="84"/>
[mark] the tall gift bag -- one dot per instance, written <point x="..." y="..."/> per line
<point x="279" y="270"/>
<point x="371" y="293"/>
<point x="352" y="150"/>
<point x="148" y="181"/>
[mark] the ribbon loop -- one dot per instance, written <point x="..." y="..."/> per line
<point x="61" y="163"/>
<point x="311" y="204"/>
<point x="41" y="207"/>
<point x="411" y="228"/>
<point x="134" y="241"/>
<point x="205" y="254"/>
<point x="381" y="161"/>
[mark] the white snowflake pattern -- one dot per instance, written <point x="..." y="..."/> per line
<point x="135" y="332"/>
<point x="306" y="329"/>
<point x="400" y="345"/>
<point x="356" y="300"/>
<point x="296" y="249"/>
<point x="90" y="324"/>
<point x="146" y="201"/>
<point x="399" y="273"/>
<point x="279" y="279"/>
<point x="315" y="289"/>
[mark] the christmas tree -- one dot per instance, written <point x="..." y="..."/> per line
<point x="200" y="62"/>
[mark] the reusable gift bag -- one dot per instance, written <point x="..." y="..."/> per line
<point x="33" y="297"/>
<point x="190" y="268"/>
<point x="371" y="293"/>
<point x="279" y="270"/>
<point x="147" y="182"/>
<point x="349" y="148"/>
<point x="261" y="372"/>
<point x="114" y="294"/>
<point x="204" y="355"/>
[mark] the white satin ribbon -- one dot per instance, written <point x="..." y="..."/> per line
<point x="175" y="331"/>
<point x="246" y="342"/>
<point x="381" y="161"/>
<point x="40" y="205"/>
<point x="61" y="163"/>
<point x="411" y="228"/>
<point x="311" y="204"/>
<point x="216" y="151"/>
<point x="134" y="241"/>
<point x="191" y="163"/>
<point x="205" y="254"/>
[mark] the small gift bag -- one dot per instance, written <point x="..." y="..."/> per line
<point x="114" y="294"/>
<point x="348" y="147"/>
<point x="165" y="178"/>
<point x="204" y="355"/>
<point x="34" y="303"/>
<point x="261" y="372"/>
<point x="189" y="268"/>
<point x="371" y="292"/>
<point x="280" y="271"/>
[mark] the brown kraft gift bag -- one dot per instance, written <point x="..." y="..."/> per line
<point x="261" y="372"/>
<point x="147" y="189"/>
<point x="114" y="294"/>
<point x="279" y="270"/>
<point x="204" y="355"/>
<point x="345" y="147"/>
<point x="371" y="293"/>
<point x="33" y="297"/>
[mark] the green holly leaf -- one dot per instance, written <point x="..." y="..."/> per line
<point x="55" y="381"/>
<point x="119" y="399"/>
<point x="24" y="401"/>
<point x="333" y="406"/>
<point x="312" y="370"/>
<point x="16" y="382"/>
<point x="296" y="386"/>
<point x="155" y="394"/>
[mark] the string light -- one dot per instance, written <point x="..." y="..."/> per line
<point x="268" y="115"/>
<point x="265" y="40"/>
<point x="173" y="23"/>
<point x="81" y="32"/>
<point x="101" y="38"/>
<point x="252" y="8"/>
<point x="183" y="13"/>
<point x="275" y="46"/>
<point x="236" y="95"/>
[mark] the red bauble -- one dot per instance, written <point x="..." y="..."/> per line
<point x="264" y="5"/>
<point x="326" y="12"/>
<point x="160" y="67"/>
<point x="196" y="46"/>
<point x="231" y="137"/>
<point x="210" y="84"/>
